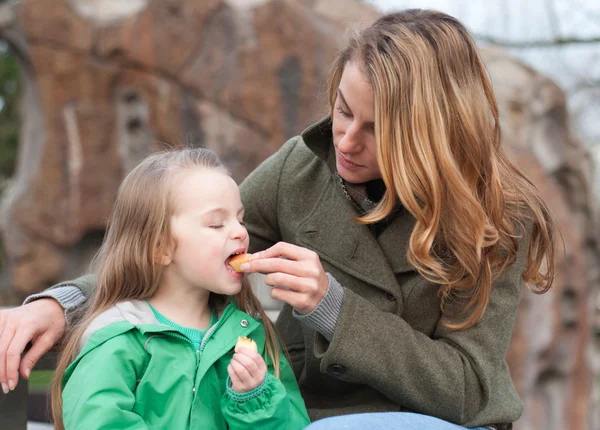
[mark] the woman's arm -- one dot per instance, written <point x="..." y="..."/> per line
<point x="449" y="375"/>
<point x="70" y="294"/>
<point x="41" y="320"/>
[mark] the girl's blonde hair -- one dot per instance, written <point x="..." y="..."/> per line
<point x="138" y="228"/>
<point x="439" y="152"/>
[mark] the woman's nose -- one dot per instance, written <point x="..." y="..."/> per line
<point x="351" y="141"/>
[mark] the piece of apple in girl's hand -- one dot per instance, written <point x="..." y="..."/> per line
<point x="245" y="342"/>
<point x="237" y="261"/>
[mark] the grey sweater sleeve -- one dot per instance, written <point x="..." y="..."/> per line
<point x="325" y="316"/>
<point x="69" y="297"/>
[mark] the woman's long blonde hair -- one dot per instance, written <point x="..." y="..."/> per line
<point x="439" y="152"/>
<point x="126" y="265"/>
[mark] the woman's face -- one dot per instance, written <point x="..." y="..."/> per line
<point x="354" y="128"/>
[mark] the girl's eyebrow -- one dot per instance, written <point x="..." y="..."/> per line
<point x="222" y="210"/>
<point x="215" y="210"/>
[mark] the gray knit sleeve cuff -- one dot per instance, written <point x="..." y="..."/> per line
<point x="69" y="297"/>
<point x="325" y="316"/>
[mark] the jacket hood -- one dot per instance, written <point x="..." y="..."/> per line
<point x="136" y="312"/>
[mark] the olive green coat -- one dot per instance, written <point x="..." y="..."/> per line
<point x="389" y="351"/>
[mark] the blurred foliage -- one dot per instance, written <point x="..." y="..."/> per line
<point x="9" y="112"/>
<point x="10" y="84"/>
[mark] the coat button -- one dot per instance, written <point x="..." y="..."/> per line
<point x="336" y="369"/>
<point x="390" y="297"/>
<point x="194" y="390"/>
<point x="244" y="323"/>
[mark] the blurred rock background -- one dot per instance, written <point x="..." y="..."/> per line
<point x="101" y="83"/>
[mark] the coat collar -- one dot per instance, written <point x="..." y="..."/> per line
<point x="356" y="251"/>
<point x="318" y="137"/>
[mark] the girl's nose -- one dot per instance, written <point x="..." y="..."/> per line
<point x="239" y="232"/>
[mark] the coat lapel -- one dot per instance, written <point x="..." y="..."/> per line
<point x="376" y="261"/>
<point x="356" y="251"/>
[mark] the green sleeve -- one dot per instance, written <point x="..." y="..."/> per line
<point x="260" y="196"/>
<point x="99" y="387"/>
<point x="275" y="405"/>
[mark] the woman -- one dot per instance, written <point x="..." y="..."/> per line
<point x="405" y="232"/>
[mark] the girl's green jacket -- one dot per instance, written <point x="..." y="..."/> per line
<point x="135" y="373"/>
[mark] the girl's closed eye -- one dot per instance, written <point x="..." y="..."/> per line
<point x="216" y="226"/>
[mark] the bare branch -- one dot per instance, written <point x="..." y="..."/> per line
<point x="585" y="85"/>
<point x="560" y="41"/>
<point x="553" y="17"/>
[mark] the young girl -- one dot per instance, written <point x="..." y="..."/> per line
<point x="155" y="348"/>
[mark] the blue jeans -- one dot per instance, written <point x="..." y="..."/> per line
<point x="385" y="421"/>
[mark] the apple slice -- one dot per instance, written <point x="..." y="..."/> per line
<point x="237" y="260"/>
<point x="245" y="342"/>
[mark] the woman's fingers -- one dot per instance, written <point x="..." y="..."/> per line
<point x="41" y="322"/>
<point x="276" y="264"/>
<point x="286" y="250"/>
<point x="303" y="303"/>
<point x="295" y="283"/>
<point x="6" y="337"/>
<point x="299" y="271"/>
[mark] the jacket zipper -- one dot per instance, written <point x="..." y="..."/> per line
<point x="208" y="335"/>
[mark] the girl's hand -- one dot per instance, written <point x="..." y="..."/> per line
<point x="300" y="273"/>
<point x="247" y="370"/>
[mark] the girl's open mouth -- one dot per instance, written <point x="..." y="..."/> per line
<point x="232" y="265"/>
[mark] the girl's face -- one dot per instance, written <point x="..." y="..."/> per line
<point x="354" y="128"/>
<point x="207" y="229"/>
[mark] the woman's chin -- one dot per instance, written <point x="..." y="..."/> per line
<point x="350" y="177"/>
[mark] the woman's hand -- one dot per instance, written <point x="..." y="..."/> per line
<point x="299" y="275"/>
<point x="41" y="322"/>
<point x="247" y="370"/>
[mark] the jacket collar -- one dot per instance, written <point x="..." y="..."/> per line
<point x="139" y="314"/>
<point x="356" y="251"/>
<point x="318" y="137"/>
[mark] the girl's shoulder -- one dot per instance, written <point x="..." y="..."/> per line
<point x="120" y="320"/>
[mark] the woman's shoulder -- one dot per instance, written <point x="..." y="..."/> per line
<point x="292" y="153"/>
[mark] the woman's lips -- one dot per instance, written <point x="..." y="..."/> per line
<point x="347" y="164"/>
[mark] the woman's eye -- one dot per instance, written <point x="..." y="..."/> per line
<point x="344" y="113"/>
